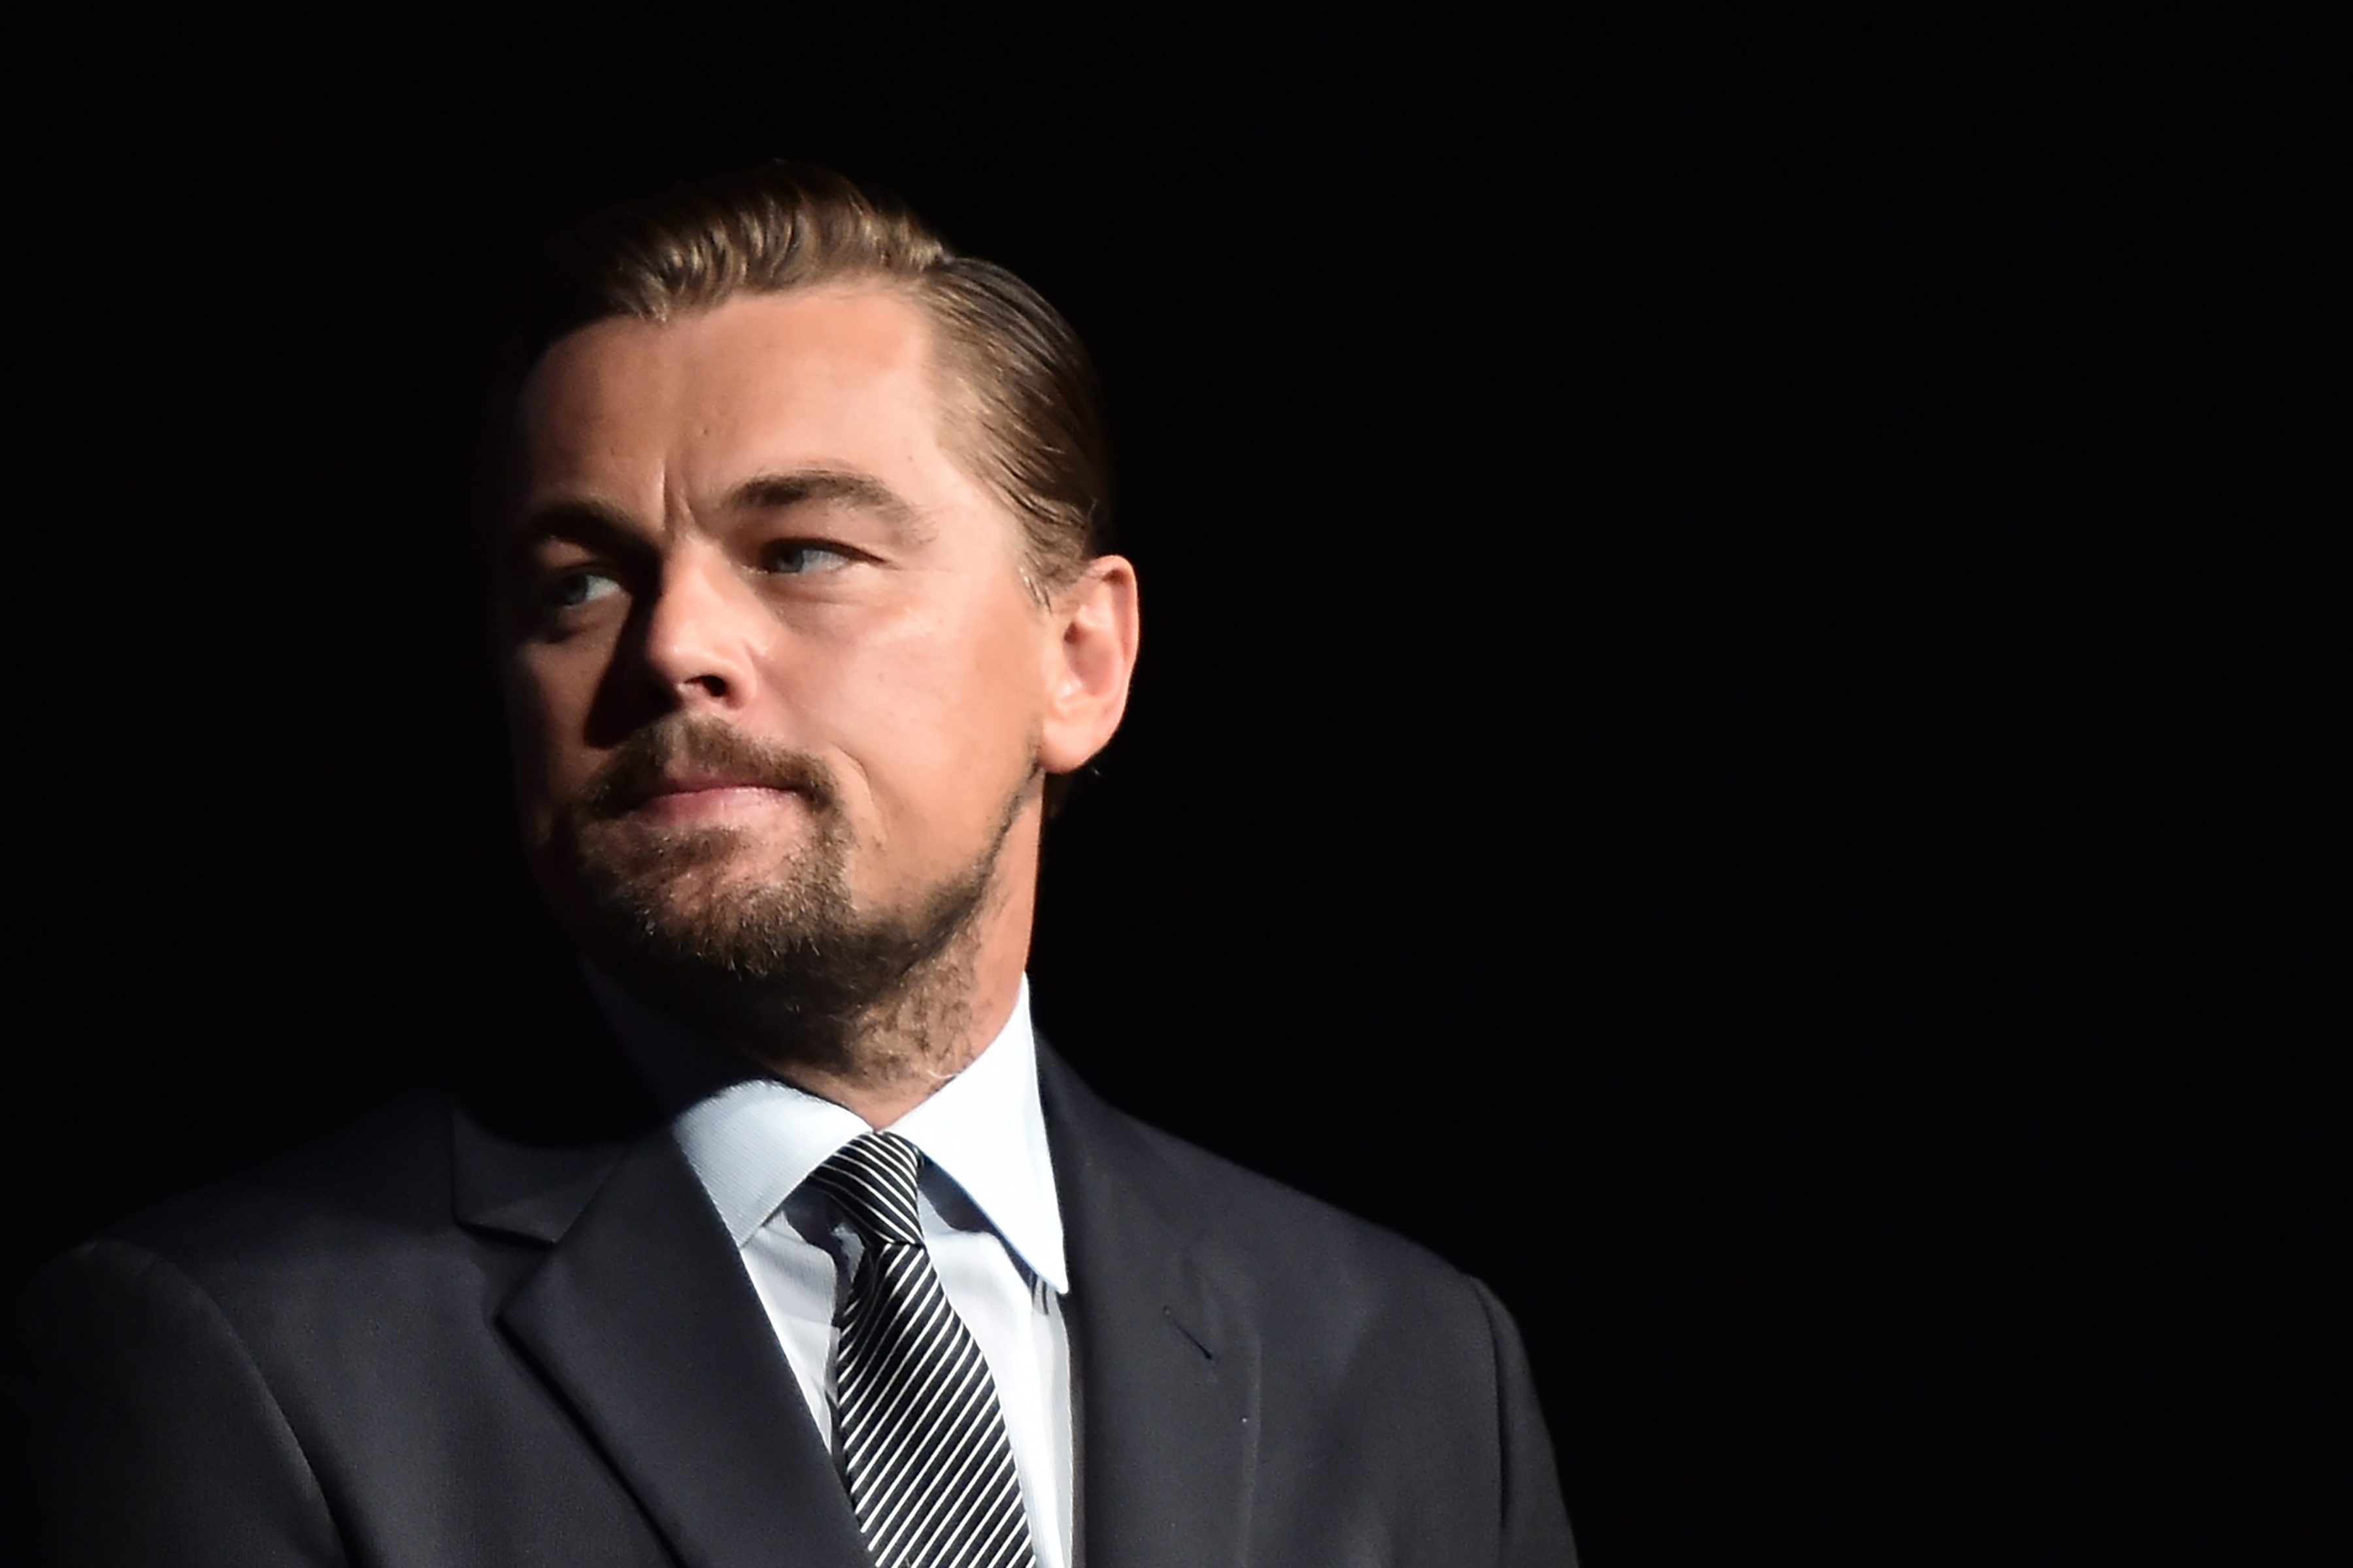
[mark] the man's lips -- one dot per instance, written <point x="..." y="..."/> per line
<point x="705" y="794"/>
<point x="698" y="784"/>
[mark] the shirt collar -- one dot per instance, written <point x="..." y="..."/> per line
<point x="753" y="1140"/>
<point x="986" y="1131"/>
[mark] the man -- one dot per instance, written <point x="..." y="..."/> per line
<point x="804" y="608"/>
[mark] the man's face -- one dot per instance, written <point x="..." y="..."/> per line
<point x="775" y="678"/>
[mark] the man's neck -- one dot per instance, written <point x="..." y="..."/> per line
<point x="879" y="1066"/>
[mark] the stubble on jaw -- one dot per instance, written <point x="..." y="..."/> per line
<point x="776" y="960"/>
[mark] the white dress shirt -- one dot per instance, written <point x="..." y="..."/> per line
<point x="987" y="1200"/>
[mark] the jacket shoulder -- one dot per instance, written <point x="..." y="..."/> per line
<point x="1291" y="1234"/>
<point x="372" y="1182"/>
<point x="1394" y="1405"/>
<point x="1328" y="1280"/>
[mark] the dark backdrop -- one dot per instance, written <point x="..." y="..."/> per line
<point x="1675" y="754"/>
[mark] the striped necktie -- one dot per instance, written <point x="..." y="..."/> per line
<point x="923" y="1441"/>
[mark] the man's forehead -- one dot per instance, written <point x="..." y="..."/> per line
<point x="768" y="400"/>
<point x="835" y="378"/>
<point x="849" y="336"/>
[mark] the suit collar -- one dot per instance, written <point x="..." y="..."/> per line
<point x="639" y="1317"/>
<point x="1166" y="1350"/>
<point x="643" y="1322"/>
<point x="532" y="1193"/>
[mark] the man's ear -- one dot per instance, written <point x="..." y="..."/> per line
<point x="1089" y="666"/>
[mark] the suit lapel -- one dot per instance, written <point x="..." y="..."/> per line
<point x="642" y="1318"/>
<point x="1167" y="1360"/>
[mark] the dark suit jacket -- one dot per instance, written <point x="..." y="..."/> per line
<point x="429" y="1344"/>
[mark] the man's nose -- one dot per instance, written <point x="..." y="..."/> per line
<point x="703" y="632"/>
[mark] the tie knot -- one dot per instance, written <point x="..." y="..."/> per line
<point x="872" y="1178"/>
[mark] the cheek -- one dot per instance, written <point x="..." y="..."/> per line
<point x="948" y="723"/>
<point x="540" y="739"/>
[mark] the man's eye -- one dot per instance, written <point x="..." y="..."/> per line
<point x="798" y="557"/>
<point x="569" y="590"/>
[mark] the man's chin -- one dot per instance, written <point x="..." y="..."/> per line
<point x="641" y="848"/>
<point x="716" y="912"/>
<point x="778" y="956"/>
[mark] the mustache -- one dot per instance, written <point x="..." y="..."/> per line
<point x="641" y="766"/>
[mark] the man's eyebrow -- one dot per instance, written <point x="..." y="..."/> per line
<point x="595" y="523"/>
<point x="863" y="492"/>
<point x="587" y="522"/>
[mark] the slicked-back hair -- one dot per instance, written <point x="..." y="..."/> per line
<point x="1024" y="411"/>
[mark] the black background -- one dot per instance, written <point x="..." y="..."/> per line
<point x="1709" y="633"/>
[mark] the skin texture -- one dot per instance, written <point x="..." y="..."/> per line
<point x="781" y="699"/>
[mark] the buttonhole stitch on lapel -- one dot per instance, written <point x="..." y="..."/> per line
<point x="1169" y="1316"/>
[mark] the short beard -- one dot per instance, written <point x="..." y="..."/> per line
<point x="779" y="963"/>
